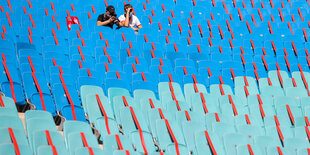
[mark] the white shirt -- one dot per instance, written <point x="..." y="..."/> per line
<point x="133" y="21"/>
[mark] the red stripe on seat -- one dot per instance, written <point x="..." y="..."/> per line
<point x="189" y="41"/>
<point x="232" y="73"/>
<point x="14" y="141"/>
<point x="160" y="69"/>
<point x="204" y="103"/>
<point x="279" y="150"/>
<point x="221" y="89"/>
<point x="198" y="48"/>
<point x="210" y="143"/>
<point x="233" y="105"/>
<point x="89" y="15"/>
<point x="224" y="6"/>
<point x="9" y="19"/>
<point x="250" y="149"/>
<point x="170" y="77"/>
<point x="81" y="53"/>
<point x="240" y="14"/>
<point x="9" y="78"/>
<point x="173" y="137"/>
<point x="153" y="46"/>
<point x="134" y="67"/>
<point x="249" y="28"/>
<point x="247" y="119"/>
<point x="30" y="39"/>
<point x="221" y="32"/>
<point x="187" y="115"/>
<point x="68" y="96"/>
<point x="90" y="150"/>
<point x="55" y="37"/>
<point x="88" y="72"/>
<point x="117" y="75"/>
<point x="290" y="114"/>
<point x="123" y="36"/>
<point x="280" y="133"/>
<point x="2" y="35"/>
<point x="143" y="76"/>
<point x="281" y="14"/>
<point x="1" y="102"/>
<point x="217" y="117"/>
<point x="246" y="91"/>
<point x="264" y="62"/>
<point x="307" y="121"/>
<point x="276" y="120"/>
<point x="220" y="48"/>
<point x="270" y="28"/>
<point x="39" y="90"/>
<point x="175" y="47"/>
<point x="106" y="67"/>
<point x="294" y="48"/>
<point x="140" y="130"/>
<point x="50" y="142"/>
<point x="104" y="114"/>
<point x="177" y="103"/>
<point x="300" y="14"/>
<point x="125" y="101"/>
<point x="253" y="20"/>
<point x="151" y="103"/>
<point x="80" y="64"/>
<point x="185" y="70"/>
<point x="294" y="82"/>
<point x="119" y="143"/>
<point x="231" y="44"/>
<point x="245" y="80"/>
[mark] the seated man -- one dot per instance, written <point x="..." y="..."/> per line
<point x="128" y="19"/>
<point x="109" y="18"/>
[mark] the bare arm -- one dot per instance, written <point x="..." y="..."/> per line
<point x="100" y="23"/>
<point x="126" y="22"/>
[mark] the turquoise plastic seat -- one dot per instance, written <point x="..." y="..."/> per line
<point x="239" y="81"/>
<point x="20" y="136"/>
<point x="148" y="141"/>
<point x="253" y="99"/>
<point x="266" y="141"/>
<point x="182" y="149"/>
<point x="211" y="102"/>
<point x="268" y="110"/>
<point x="244" y="150"/>
<point x="295" y="110"/>
<point x="263" y="82"/>
<point x="203" y="146"/>
<point x="143" y="94"/>
<point x="85" y="151"/>
<point x="39" y="138"/>
<point x="227" y="108"/>
<point x="254" y="120"/>
<point x="294" y="144"/>
<point x="189" y="90"/>
<point x="164" y="91"/>
<point x="181" y="116"/>
<point x="241" y="93"/>
<point x="163" y="134"/>
<point x="128" y="122"/>
<point x="283" y="100"/>
<point x="233" y="140"/>
<point x="8" y="112"/>
<point x="287" y="132"/>
<point x="100" y="124"/>
<point x="112" y="92"/>
<point x="110" y="143"/>
<point x="173" y="106"/>
<point x="189" y="129"/>
<point x="215" y="90"/>
<point x="94" y="110"/>
<point x="145" y="104"/>
<point x="250" y="130"/>
<point x="210" y="118"/>
<point x="47" y="150"/>
<point x="272" y="91"/>
<point x="273" y="150"/>
<point x="298" y="78"/>
<point x="11" y="122"/>
<point x="30" y="114"/>
<point x="8" y="149"/>
<point x="300" y="132"/>
<point x="119" y="103"/>
<point x="72" y="133"/>
<point x="153" y="115"/>
<point x="9" y="103"/>
<point x="86" y="90"/>
<point x="223" y="128"/>
<point x="296" y="92"/>
<point x="273" y="75"/>
<point x="283" y="121"/>
<point x="302" y="151"/>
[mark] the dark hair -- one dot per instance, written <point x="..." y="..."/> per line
<point x="110" y="9"/>
<point x="127" y="6"/>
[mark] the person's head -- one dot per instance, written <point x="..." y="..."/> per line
<point x="111" y="10"/>
<point x="128" y="6"/>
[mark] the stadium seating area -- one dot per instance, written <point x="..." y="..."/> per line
<point x="201" y="77"/>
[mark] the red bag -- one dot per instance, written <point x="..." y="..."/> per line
<point x="72" y="20"/>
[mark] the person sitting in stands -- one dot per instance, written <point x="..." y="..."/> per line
<point x="109" y="18"/>
<point x="128" y="19"/>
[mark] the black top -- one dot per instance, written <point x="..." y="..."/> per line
<point x="103" y="18"/>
